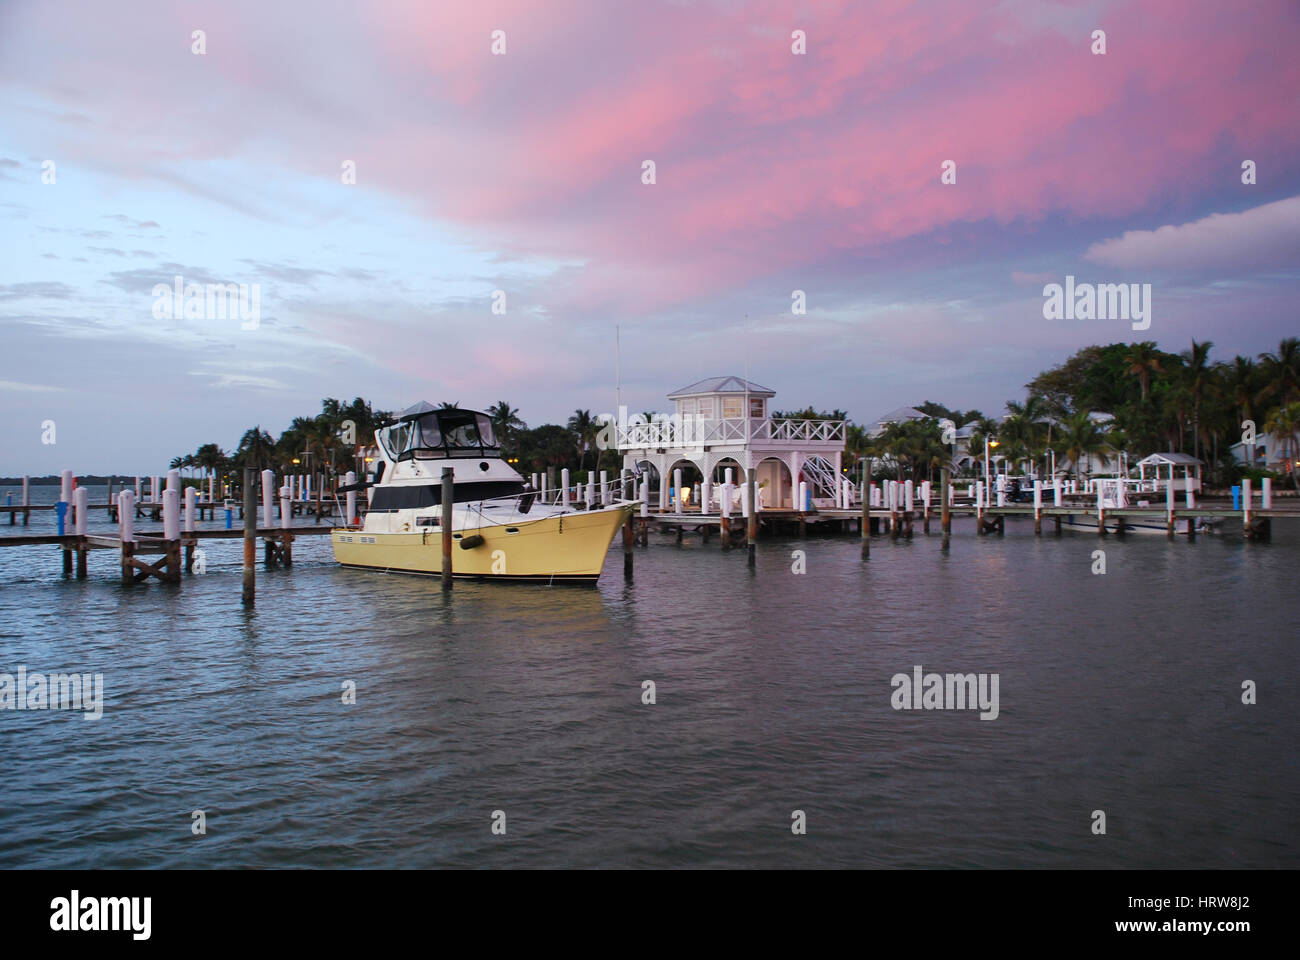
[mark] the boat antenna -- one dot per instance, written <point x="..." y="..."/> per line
<point x="749" y="457"/>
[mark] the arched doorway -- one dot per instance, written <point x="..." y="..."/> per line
<point x="776" y="489"/>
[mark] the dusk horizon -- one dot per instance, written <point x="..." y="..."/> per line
<point x="386" y="178"/>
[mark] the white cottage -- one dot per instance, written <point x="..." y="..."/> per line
<point x="723" y="423"/>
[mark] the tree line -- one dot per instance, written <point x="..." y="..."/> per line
<point x="1159" y="401"/>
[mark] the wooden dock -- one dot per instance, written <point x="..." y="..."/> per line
<point x="170" y="553"/>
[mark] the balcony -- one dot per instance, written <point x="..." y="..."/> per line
<point x="695" y="432"/>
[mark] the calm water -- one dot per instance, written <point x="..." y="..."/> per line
<point x="1117" y="692"/>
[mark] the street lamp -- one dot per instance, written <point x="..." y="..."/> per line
<point x="988" y="495"/>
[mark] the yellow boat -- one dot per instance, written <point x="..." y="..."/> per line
<point x="501" y="529"/>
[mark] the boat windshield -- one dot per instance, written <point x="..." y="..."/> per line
<point x="442" y="434"/>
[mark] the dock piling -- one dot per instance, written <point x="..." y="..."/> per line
<point x="627" y="546"/>
<point x="448" y="495"/>
<point x="81" y="499"/>
<point x="946" y="518"/>
<point x="724" y="523"/>
<point x="126" y="534"/>
<point x="864" y="525"/>
<point x="751" y="515"/>
<point x="249" y="597"/>
<point x="171" y="515"/>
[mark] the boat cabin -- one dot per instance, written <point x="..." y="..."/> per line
<point x="423" y="440"/>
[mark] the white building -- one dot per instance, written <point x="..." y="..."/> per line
<point x="723" y="423"/>
<point x="1268" y="451"/>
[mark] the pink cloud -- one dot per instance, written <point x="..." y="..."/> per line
<point x="766" y="161"/>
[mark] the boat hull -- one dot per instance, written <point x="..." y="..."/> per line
<point x="1089" y="525"/>
<point x="568" y="548"/>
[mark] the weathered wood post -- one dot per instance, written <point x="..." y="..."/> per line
<point x="448" y="495"/>
<point x="350" y="517"/>
<point x="925" y="506"/>
<point x="677" y="491"/>
<point x="27" y="503"/>
<point x="604" y="488"/>
<point x="864" y="525"/>
<point x="645" y="512"/>
<point x="1247" y="496"/>
<point x="126" y="534"/>
<point x="564" y="488"/>
<point x="1038" y="507"/>
<point x="1101" y="514"/>
<point x="286" y="521"/>
<point x="1190" y="497"/>
<point x="171" y="516"/>
<point x="946" y="519"/>
<point x="751" y="508"/>
<point x="628" y="537"/>
<point x="706" y="494"/>
<point x="1169" y="507"/>
<point x="191" y="498"/>
<point x="979" y="507"/>
<point x="725" y="511"/>
<point x="81" y="501"/>
<point x="1266" y="493"/>
<point x="249" y="597"/>
<point x="268" y="511"/>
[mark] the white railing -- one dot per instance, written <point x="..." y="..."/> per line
<point x="697" y="431"/>
<point x="821" y="473"/>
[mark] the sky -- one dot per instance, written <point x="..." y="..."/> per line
<point x="501" y="228"/>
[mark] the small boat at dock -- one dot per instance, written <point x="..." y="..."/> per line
<point x="501" y="529"/>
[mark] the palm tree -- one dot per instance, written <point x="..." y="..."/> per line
<point x="1199" y="378"/>
<point x="506" y="422"/>
<point x="1082" y="439"/>
<point x="449" y="405"/>
<point x="256" y="448"/>
<point x="584" y="429"/>
<point x="1282" y="372"/>
<point x="1284" y="423"/>
<point x="1142" y="360"/>
<point x="1241" y="386"/>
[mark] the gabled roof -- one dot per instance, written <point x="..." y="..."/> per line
<point x="1177" y="459"/>
<point x="902" y="414"/>
<point x="722" y="385"/>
